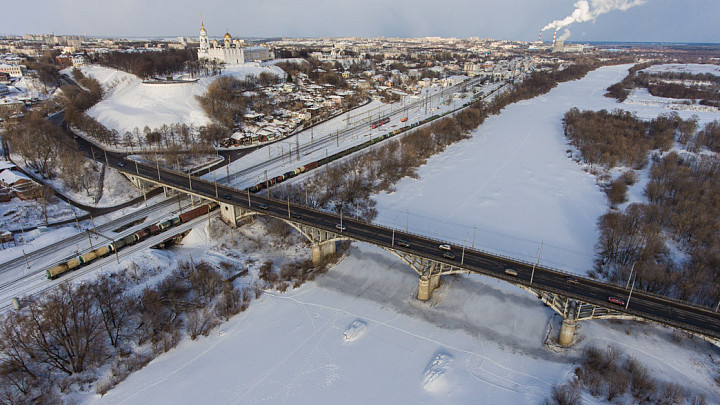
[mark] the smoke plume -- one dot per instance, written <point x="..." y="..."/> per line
<point x="589" y="10"/>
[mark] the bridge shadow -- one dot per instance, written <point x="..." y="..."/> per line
<point x="391" y="284"/>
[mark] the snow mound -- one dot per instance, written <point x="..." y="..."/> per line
<point x="197" y="237"/>
<point x="435" y="379"/>
<point x="355" y="331"/>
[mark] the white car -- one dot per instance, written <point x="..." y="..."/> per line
<point x="445" y="247"/>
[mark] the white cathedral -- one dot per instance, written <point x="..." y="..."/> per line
<point x="230" y="52"/>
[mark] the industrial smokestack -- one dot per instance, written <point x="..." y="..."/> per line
<point x="539" y="36"/>
<point x="554" y="37"/>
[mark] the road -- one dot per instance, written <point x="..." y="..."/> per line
<point x="660" y="309"/>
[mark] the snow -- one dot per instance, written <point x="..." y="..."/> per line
<point x="130" y="104"/>
<point x="358" y="334"/>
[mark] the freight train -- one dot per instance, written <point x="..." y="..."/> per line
<point x="279" y="179"/>
<point x="379" y="123"/>
<point x="76" y="262"/>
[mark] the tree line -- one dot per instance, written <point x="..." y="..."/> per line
<point x="619" y="138"/>
<point x="682" y="212"/>
<point x="610" y="375"/>
<point x="149" y="64"/>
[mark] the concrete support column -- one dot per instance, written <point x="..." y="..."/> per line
<point x="428" y="282"/>
<point x="321" y="251"/>
<point x="424" y="291"/>
<point x="567" y="332"/>
<point x="229" y="214"/>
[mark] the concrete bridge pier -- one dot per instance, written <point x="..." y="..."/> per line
<point x="321" y="250"/>
<point x="567" y="330"/>
<point x="428" y="282"/>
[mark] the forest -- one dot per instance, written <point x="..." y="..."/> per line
<point x="149" y="64"/>
<point x="671" y="241"/>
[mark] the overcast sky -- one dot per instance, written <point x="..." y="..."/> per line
<point x="654" y="21"/>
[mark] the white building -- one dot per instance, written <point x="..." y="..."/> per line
<point x="13" y="70"/>
<point x="230" y="52"/>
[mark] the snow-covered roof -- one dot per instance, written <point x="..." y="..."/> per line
<point x="10" y="177"/>
<point x="4" y="164"/>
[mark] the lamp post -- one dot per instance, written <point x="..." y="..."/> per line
<point x="532" y="275"/>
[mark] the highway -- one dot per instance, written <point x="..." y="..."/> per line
<point x="652" y="307"/>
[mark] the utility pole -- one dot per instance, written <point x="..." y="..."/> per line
<point x="90" y="239"/>
<point x="267" y="185"/>
<point x="288" y="200"/>
<point x="473" y="242"/>
<point x="630" y="294"/>
<point x="248" y="190"/>
<point x="137" y="171"/>
<point x="227" y="167"/>
<point x="190" y="180"/>
<point x="216" y="190"/>
<point x="392" y="243"/>
<point x="630" y="276"/>
<point x="532" y="275"/>
<point x="157" y="162"/>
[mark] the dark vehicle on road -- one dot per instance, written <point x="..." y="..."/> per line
<point x="402" y="243"/>
<point x="449" y="255"/>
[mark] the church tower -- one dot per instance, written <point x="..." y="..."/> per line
<point x="204" y="42"/>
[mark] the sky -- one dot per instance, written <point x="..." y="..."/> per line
<point x="645" y="21"/>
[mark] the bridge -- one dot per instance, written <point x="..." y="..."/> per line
<point x="574" y="298"/>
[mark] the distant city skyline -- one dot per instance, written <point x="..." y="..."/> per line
<point x="626" y="20"/>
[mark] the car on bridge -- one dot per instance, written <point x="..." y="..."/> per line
<point x="449" y="255"/>
<point x="121" y="164"/>
<point x="571" y="280"/>
<point x="616" y="300"/>
<point x="511" y="272"/>
<point x="341" y="227"/>
<point x="263" y="206"/>
<point x="402" y="243"/>
<point x="445" y="247"/>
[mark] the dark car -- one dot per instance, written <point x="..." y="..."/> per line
<point x="121" y="164"/>
<point x="227" y="197"/>
<point x="402" y="243"/>
<point x="262" y="206"/>
<point x="449" y="255"/>
<point x="341" y="227"/>
<point x="296" y="216"/>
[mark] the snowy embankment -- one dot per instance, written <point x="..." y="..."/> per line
<point x="357" y="334"/>
<point x="129" y="103"/>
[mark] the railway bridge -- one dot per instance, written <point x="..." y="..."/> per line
<point x="574" y="298"/>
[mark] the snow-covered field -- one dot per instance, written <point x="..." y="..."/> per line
<point x="358" y="335"/>
<point x="130" y="104"/>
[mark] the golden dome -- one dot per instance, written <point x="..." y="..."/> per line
<point x="228" y="36"/>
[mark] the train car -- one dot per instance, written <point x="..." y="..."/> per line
<point x="194" y="213"/>
<point x="103" y="250"/>
<point x="165" y="225"/>
<point x="311" y="166"/>
<point x="141" y="234"/>
<point x="89" y="256"/>
<point x="55" y="271"/>
<point x="403" y="119"/>
<point x="74" y="262"/>
<point x="153" y="229"/>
